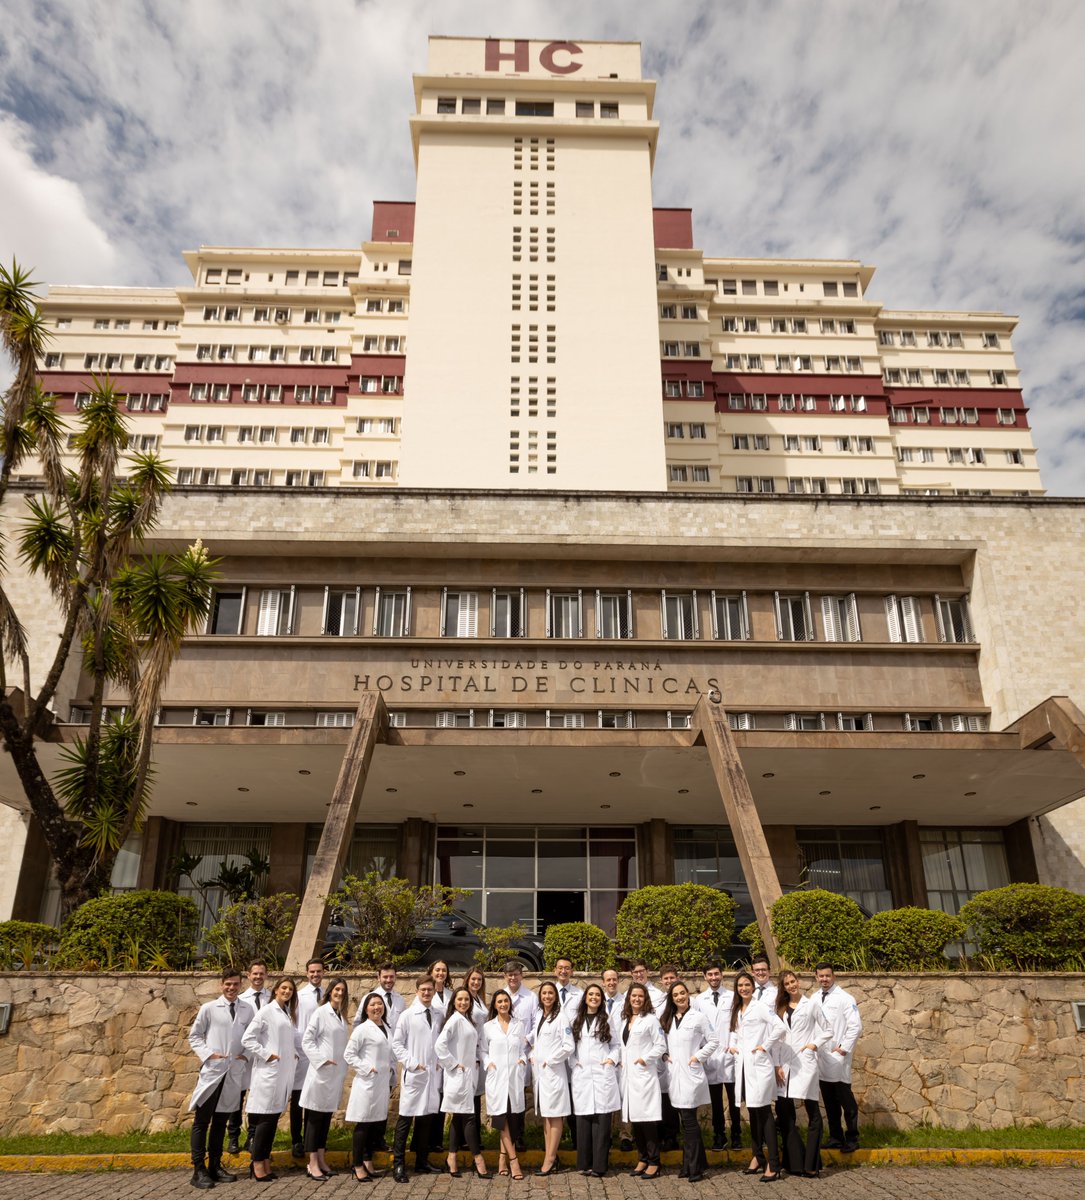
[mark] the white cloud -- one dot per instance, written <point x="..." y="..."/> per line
<point x="939" y="142"/>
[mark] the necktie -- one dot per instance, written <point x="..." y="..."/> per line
<point x="319" y="997"/>
<point x="257" y="999"/>
<point x="716" y="999"/>
<point x="232" y="1010"/>
<point x="388" y="1001"/>
<point x="760" y="990"/>
<point x="429" y="1018"/>
<point x="563" y="995"/>
<point x="823" y="995"/>
<point x="610" y="1005"/>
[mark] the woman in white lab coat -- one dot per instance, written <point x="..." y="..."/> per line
<point x="553" y="1046"/>
<point x="797" y="1074"/>
<point x="475" y="982"/>
<point x="369" y="1056"/>
<point x="504" y="1059"/>
<point x="273" y="1044"/>
<point x="691" y="1042"/>
<point x="643" y="1047"/>
<point x="324" y="1042"/>
<point x="457" y="1052"/>
<point x="596" y="1093"/>
<point x="754" y="1030"/>
<point x="442" y="998"/>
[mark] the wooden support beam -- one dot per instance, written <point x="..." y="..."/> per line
<point x="710" y="724"/>
<point x="331" y="855"/>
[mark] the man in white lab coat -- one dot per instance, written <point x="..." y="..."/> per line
<point x="215" y="1036"/>
<point x="310" y="995"/>
<point x="763" y="987"/>
<point x="715" y="1002"/>
<point x="835" y="1059"/>
<point x="569" y="995"/>
<point x="257" y="994"/>
<point x="414" y="1046"/>
<point x="394" y="1004"/>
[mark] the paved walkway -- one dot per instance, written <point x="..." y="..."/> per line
<point x="862" y="1183"/>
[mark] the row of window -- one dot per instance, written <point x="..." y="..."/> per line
<point x="115" y="362"/>
<point x="935" y="338"/>
<point x="235" y="276"/>
<point x="830" y="288"/>
<point x="681" y="349"/>
<point x="788" y="325"/>
<point x="276" y="354"/>
<point x="768" y="485"/>
<point x="256" y="393"/>
<point x="121" y="323"/>
<point x="958" y="455"/>
<point x="674" y="312"/>
<point x="789" y="363"/>
<point x="375" y="469"/>
<point x="274" y="613"/>
<point x="495" y="106"/>
<point x="940" y="377"/>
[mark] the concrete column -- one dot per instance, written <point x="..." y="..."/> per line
<point x="655" y="849"/>
<point x="33" y="874"/>
<point x="369" y="727"/>
<point x="286" y="853"/>
<point x="1021" y="853"/>
<point x="710" y="725"/>
<point x="416" y="852"/>
<point x="161" y="841"/>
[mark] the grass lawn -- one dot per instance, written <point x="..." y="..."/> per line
<point x="1022" y="1137"/>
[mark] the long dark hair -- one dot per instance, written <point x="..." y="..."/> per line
<point x="493" y="1004"/>
<point x="482" y="990"/>
<point x="452" y="1001"/>
<point x="555" y="1008"/>
<point x="292" y="1007"/>
<point x="670" y="1009"/>
<point x="736" y="1002"/>
<point x="627" y="1008"/>
<point x="783" y="1000"/>
<point x="331" y="988"/>
<point x="602" y="1025"/>
<point x="382" y="1024"/>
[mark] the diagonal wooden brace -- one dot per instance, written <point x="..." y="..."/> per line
<point x="369" y="728"/>
<point x="710" y="723"/>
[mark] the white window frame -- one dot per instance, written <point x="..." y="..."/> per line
<point x="686" y="632"/>
<point x="624" y="601"/>
<point x="341" y="631"/>
<point x="401" y="627"/>
<point x="902" y="615"/>
<point x="510" y="719"/>
<point x="565" y="594"/>
<point x="867" y="720"/>
<point x="840" y="618"/>
<point x="499" y="591"/>
<point x="240" y="614"/>
<point x="466" y="613"/>
<point x="947" y="627"/>
<point x="276" y="606"/>
<point x="808" y="616"/>
<point x="743" y="633"/>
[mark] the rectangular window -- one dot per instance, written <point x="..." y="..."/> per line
<point x="730" y="617"/>
<point x="954" y="620"/>
<point x="608" y="112"/>
<point x="275" y="617"/>
<point x="585" y="108"/>
<point x="840" y="617"/>
<point x="613" y="614"/>
<point x="507" y="613"/>
<point x="227" y="608"/>
<point x="794" y="619"/>
<point x="534" y="108"/>
<point x="343" y="719"/>
<point x="958" y="864"/>
<point x="672" y="389"/>
<point x="459" y="614"/>
<point x="507" y="720"/>
<point x="679" y="611"/>
<point x="342" y="608"/>
<point x="675" y="429"/>
<point x="392" y="613"/>
<point x="564" y="614"/>
<point x="847" y="860"/>
<point x="695" y="389"/>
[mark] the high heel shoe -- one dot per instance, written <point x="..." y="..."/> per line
<point x="635" y="1174"/>
<point x="517" y="1174"/>
<point x="753" y="1171"/>
<point x="502" y="1163"/>
<point x="365" y="1176"/>
<point x="553" y="1169"/>
<point x="646" y="1178"/>
<point x="770" y="1178"/>
<point x="318" y="1178"/>
<point x="269" y="1178"/>
<point x="483" y="1174"/>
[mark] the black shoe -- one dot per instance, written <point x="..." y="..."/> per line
<point x="232" y="1146"/>
<point x="269" y="1178"/>
<point x="365" y="1178"/>
<point x="834" y="1144"/>
<point x="736" y="1143"/>
<point x="553" y="1171"/>
<point x="697" y="1178"/>
<point x="770" y="1178"/>
<point x="646" y="1178"/>
<point x="719" y="1144"/>
<point x="424" y="1168"/>
<point x="849" y="1147"/>
<point x="320" y="1177"/>
<point x="219" y="1175"/>
<point x="201" y="1178"/>
<point x="754" y="1171"/>
<point x="625" y="1144"/>
<point x="247" y="1148"/>
<point x="399" y="1174"/>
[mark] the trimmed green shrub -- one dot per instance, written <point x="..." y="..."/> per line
<point x="751" y="935"/>
<point x="686" y="924"/>
<point x="912" y="939"/>
<point x="586" y="945"/>
<point x="253" y="929"/>
<point x="809" y="926"/>
<point x="496" y="948"/>
<point x="132" y="931"/>
<point x="1028" y="927"/>
<point x="26" y="944"/>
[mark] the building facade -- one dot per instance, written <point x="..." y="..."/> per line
<point x="543" y="474"/>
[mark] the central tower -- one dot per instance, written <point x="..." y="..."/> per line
<point x="533" y="335"/>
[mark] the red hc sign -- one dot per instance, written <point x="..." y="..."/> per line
<point x="520" y="56"/>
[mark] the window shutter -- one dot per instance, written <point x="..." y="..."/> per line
<point x="779" y="616"/>
<point x="868" y="722"/>
<point x="598" y="613"/>
<point x="579" y="612"/>
<point x="957" y="723"/>
<point x="356" y="623"/>
<point x="840" y="720"/>
<point x="821" y="720"/>
<point x="744" y="618"/>
<point x="267" y="620"/>
<point x="941" y="616"/>
<point x="292" y="609"/>
<point x="966" y="621"/>
<point x="892" y="619"/>
<point x="908" y="723"/>
<point x="853" y="631"/>
<point x="516" y="720"/>
<point x="666" y="632"/>
<point x="377" y="611"/>
<point x="324" y="612"/>
<point x="626" y="627"/>
<point x="810" y="636"/>
<point x="446" y="720"/>
<point x="521" y="618"/>
<point x="444" y="612"/>
<point x="549" y="620"/>
<point x="938" y="722"/>
<point x="573" y="721"/>
<point x="792" y="720"/>
<point x="913" y="627"/>
<point x="829" y="616"/>
<point x="493" y="613"/>
<point x="467" y="621"/>
<point x="713" y="602"/>
<point x="694" y="622"/>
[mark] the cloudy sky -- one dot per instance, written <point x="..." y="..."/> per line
<point x="941" y="142"/>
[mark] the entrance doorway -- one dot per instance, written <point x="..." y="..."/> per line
<point x="556" y="908"/>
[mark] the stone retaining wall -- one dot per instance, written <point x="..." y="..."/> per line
<point x="107" y="1053"/>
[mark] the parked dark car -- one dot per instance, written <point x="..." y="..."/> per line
<point x="453" y="939"/>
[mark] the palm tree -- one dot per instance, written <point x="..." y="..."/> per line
<point x="128" y="612"/>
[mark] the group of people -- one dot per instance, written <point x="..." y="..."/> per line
<point x="653" y="1054"/>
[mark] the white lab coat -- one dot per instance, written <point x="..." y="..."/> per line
<point x="614" y="1010"/>
<point x="393" y="1006"/>
<point x="413" y="1045"/>
<point x="480" y="1014"/>
<point x="693" y="1037"/>
<point x="249" y="996"/>
<point x="369" y="1056"/>
<point x="842" y="1013"/>
<point x="324" y="1039"/>
<point x="457" y="1044"/>
<point x="657" y="996"/>
<point x="768" y="994"/>
<point x="808" y="1025"/>
<point x="308" y="1000"/>
<point x="641" y="1092"/>
<point x="214" y="1031"/>
<point x="270" y="1032"/>
<point x="507" y="1051"/>
<point x="552" y="1049"/>
<point x="571" y="1004"/>
<point x="525" y="1007"/>
<point x="720" y="1068"/>
<point x="755" y="1070"/>
<point x="595" y="1081"/>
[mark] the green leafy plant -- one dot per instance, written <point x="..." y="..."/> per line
<point x="912" y="939"/>
<point x="239" y="882"/>
<point x="26" y="945"/>
<point x="586" y="945"/>
<point x="686" y="924"/>
<point x="808" y="926"/>
<point x="751" y="935"/>
<point x="496" y="948"/>
<point x="385" y="914"/>
<point x="133" y="930"/>
<point x="253" y="929"/>
<point x="1028" y="927"/>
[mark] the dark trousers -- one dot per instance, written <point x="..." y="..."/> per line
<point x="694" y="1159"/>
<point x="434" y="1136"/>
<point x="593" y="1142"/>
<point x="464" y="1132"/>
<point x="317" y="1125"/>
<point x="403" y="1129"/>
<point x="670" y="1123"/>
<point x="205" y="1118"/>
<point x="719" y="1123"/>
<point x="262" y="1127"/>
<point x="571" y="1118"/>
<point x="297" y="1119"/>
<point x="735" y="1113"/>
<point x="838" y="1098"/>
<point x="233" y="1125"/>
<point x="799" y="1157"/>
<point x="646" y="1136"/>
<point x="367" y="1140"/>
<point x="763" y="1137"/>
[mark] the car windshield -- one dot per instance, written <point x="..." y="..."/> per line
<point x="443" y="923"/>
